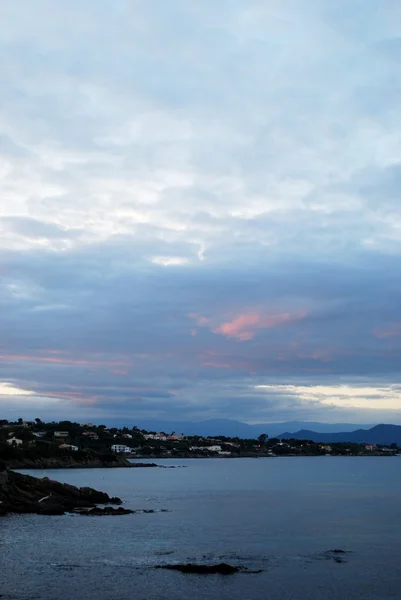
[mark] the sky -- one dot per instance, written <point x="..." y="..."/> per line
<point x="200" y="210"/>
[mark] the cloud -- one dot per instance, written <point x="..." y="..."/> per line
<point x="7" y="389"/>
<point x="167" y="261"/>
<point x="244" y="327"/>
<point x="349" y="396"/>
<point x="33" y="228"/>
<point x="199" y="199"/>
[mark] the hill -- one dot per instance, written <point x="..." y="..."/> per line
<point x="233" y="428"/>
<point x="380" y="434"/>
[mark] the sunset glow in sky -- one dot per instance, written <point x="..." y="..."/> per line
<point x="200" y="209"/>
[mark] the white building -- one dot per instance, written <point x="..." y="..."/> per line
<point x="69" y="447"/>
<point x="121" y="448"/>
<point x="208" y="448"/>
<point x="14" y="442"/>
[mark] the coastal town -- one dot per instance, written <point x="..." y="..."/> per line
<point x="29" y="441"/>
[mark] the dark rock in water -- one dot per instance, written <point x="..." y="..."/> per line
<point x="336" y="555"/>
<point x="221" y="568"/>
<point x="107" y="510"/>
<point x="25" y="494"/>
<point x="115" y="500"/>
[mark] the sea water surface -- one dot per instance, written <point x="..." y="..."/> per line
<point x="279" y="515"/>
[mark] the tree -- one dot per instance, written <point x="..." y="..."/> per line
<point x="262" y="438"/>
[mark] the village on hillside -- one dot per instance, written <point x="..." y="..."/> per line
<point x="39" y="440"/>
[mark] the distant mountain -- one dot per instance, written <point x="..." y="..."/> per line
<point x="380" y="434"/>
<point x="232" y="428"/>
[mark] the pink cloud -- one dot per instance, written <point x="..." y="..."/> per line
<point x="244" y="327"/>
<point x="200" y="320"/>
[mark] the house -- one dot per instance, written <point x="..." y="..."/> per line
<point x="326" y="448"/>
<point x="120" y="448"/>
<point x="156" y="436"/>
<point x="69" y="447"/>
<point x="61" y="434"/>
<point x="206" y="448"/>
<point x="39" y="434"/>
<point x="127" y="435"/>
<point x="14" y="442"/>
<point x="91" y="434"/>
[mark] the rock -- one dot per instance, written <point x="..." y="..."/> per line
<point x="336" y="554"/>
<point x="221" y="568"/>
<point x="107" y="510"/>
<point x="115" y="500"/>
<point x="50" y="510"/>
<point x="25" y="494"/>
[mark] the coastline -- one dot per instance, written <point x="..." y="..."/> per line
<point x="47" y="464"/>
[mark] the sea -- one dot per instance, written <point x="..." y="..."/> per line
<point x="280" y="516"/>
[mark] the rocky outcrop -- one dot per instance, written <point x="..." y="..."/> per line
<point x="25" y="494"/>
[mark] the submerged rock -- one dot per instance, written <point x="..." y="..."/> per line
<point x="220" y="568"/>
<point x="336" y="554"/>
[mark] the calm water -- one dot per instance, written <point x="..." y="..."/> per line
<point x="280" y="515"/>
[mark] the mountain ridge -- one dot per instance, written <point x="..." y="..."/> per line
<point x="234" y="428"/>
<point x="383" y="434"/>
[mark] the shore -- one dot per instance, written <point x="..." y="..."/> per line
<point x="69" y="463"/>
<point x="25" y="494"/>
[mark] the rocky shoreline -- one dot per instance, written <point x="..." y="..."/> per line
<point x="44" y="464"/>
<point x="25" y="494"/>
